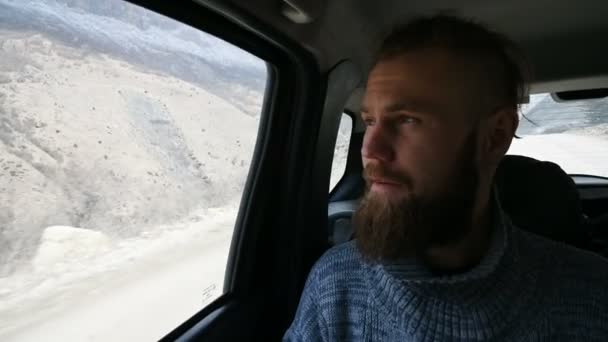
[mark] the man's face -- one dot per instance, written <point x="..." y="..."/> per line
<point x="419" y="153"/>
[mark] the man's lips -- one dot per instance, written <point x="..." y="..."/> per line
<point x="384" y="181"/>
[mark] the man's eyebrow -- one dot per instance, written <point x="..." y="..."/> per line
<point x="414" y="106"/>
<point x="402" y="106"/>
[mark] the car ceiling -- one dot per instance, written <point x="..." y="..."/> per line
<point x="564" y="40"/>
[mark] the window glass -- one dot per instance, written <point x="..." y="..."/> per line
<point x="341" y="150"/>
<point x="573" y="134"/>
<point x="125" y="142"/>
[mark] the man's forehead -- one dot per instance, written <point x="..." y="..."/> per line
<point x="380" y="96"/>
<point x="396" y="102"/>
<point x="428" y="76"/>
<point x="391" y="87"/>
<point x="386" y="88"/>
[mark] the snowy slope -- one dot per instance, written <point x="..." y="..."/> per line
<point x="125" y="142"/>
<point x="573" y="134"/>
<point x="139" y="291"/>
<point x="116" y="27"/>
<point x="91" y="141"/>
<point x="141" y="169"/>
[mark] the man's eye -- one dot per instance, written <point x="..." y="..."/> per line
<point x="407" y="120"/>
<point x="369" y="122"/>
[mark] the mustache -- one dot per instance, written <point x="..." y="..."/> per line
<point x="375" y="171"/>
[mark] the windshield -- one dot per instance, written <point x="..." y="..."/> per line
<point x="573" y="134"/>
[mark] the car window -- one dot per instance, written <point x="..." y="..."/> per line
<point x="126" y="139"/>
<point x="573" y="134"/>
<point x="341" y="150"/>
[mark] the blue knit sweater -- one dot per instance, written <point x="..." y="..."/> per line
<point x="526" y="288"/>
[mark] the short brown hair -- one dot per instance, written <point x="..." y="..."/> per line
<point x="497" y="55"/>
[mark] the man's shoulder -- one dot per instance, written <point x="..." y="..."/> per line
<point x="333" y="299"/>
<point x="574" y="283"/>
<point x="343" y="258"/>
<point x="568" y="262"/>
<point x="338" y="267"/>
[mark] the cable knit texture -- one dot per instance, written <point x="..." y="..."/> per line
<point x="526" y="288"/>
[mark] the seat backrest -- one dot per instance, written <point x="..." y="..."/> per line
<point x="598" y="229"/>
<point x="541" y="198"/>
<point x="538" y="196"/>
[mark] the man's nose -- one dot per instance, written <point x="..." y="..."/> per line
<point x="377" y="144"/>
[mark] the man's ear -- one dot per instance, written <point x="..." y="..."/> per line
<point x="500" y="130"/>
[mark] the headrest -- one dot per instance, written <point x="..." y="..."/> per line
<point x="541" y="198"/>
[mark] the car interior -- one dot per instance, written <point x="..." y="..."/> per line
<point x="318" y="54"/>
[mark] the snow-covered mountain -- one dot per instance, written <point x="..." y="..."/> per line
<point x="125" y="142"/>
<point x="543" y="115"/>
<point x="139" y="36"/>
<point x="117" y="120"/>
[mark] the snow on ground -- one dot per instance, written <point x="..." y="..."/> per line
<point x="138" y="290"/>
<point x="573" y="134"/>
<point x="60" y="244"/>
<point x="577" y="152"/>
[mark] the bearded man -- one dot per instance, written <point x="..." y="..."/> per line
<point x="435" y="258"/>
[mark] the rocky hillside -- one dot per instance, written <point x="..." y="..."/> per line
<point x="90" y="140"/>
<point x="141" y="37"/>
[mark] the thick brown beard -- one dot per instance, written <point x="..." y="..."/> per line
<point x="387" y="229"/>
<point x="380" y="228"/>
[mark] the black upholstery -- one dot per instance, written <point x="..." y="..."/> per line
<point x="538" y="196"/>
<point x="598" y="229"/>
<point x="541" y="198"/>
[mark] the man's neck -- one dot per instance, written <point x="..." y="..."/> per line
<point x="468" y="252"/>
